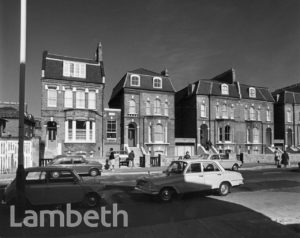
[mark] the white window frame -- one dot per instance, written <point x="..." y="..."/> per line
<point x="132" y="80"/>
<point x="258" y="114"/>
<point x="224" y="112"/>
<point x="166" y="109"/>
<point x="75" y="135"/>
<point x="255" y="132"/>
<point x="252" y="92"/>
<point x="80" y="100"/>
<point x="92" y="101"/>
<point x="110" y="130"/>
<point x="252" y="114"/>
<point x="51" y="99"/>
<point x="227" y="135"/>
<point x="232" y="112"/>
<point x="74" y="69"/>
<point x="68" y="101"/>
<point x="157" y="80"/>
<point x="224" y="89"/>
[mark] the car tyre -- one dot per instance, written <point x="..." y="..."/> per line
<point x="166" y="194"/>
<point x="224" y="189"/>
<point x="92" y="200"/>
<point x="94" y="172"/>
<point x="235" y="167"/>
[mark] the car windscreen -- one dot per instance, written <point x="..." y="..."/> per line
<point x="176" y="167"/>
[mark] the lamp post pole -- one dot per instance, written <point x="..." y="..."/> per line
<point x="20" y="176"/>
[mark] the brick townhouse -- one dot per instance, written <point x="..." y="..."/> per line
<point x="146" y="100"/>
<point x="224" y="115"/>
<point x="72" y="105"/>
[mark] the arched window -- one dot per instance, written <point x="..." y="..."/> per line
<point x="132" y="109"/>
<point x="232" y="112"/>
<point x="135" y="80"/>
<point x="224" y="89"/>
<point x="158" y="133"/>
<point x="157" y="107"/>
<point x="166" y="109"/>
<point x="220" y="134"/>
<point x="252" y="114"/>
<point x="157" y="82"/>
<point x="255" y="135"/>
<point x="227" y="133"/>
<point x="258" y="115"/>
<point x="148" y="108"/>
<point x="252" y="92"/>
<point x="248" y="135"/>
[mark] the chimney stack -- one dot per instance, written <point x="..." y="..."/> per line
<point x="165" y="72"/>
<point x="98" y="54"/>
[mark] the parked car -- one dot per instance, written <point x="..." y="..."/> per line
<point x="184" y="176"/>
<point x="224" y="160"/>
<point x="55" y="185"/>
<point x="78" y="163"/>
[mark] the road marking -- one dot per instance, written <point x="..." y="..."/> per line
<point x="272" y="172"/>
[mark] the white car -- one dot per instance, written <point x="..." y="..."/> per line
<point x="184" y="176"/>
<point x="225" y="161"/>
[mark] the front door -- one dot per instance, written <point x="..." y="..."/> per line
<point x="131" y="135"/>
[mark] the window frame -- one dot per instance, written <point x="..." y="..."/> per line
<point x="252" y="92"/>
<point x="132" y="76"/>
<point x="110" y="130"/>
<point x="49" y="99"/>
<point x="155" y="81"/>
<point x="224" y="89"/>
<point x="79" y="100"/>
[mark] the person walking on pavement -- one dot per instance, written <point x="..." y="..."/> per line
<point x="131" y="158"/>
<point x="112" y="159"/>
<point x="276" y="156"/>
<point x="285" y="158"/>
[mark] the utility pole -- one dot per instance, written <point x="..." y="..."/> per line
<point x="20" y="177"/>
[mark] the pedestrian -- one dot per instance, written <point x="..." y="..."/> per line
<point x="242" y="157"/>
<point x="187" y="155"/>
<point x="131" y="158"/>
<point x="285" y="159"/>
<point x="276" y="156"/>
<point x="112" y="159"/>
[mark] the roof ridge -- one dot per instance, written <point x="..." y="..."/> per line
<point x="73" y="57"/>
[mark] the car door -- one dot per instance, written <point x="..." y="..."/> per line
<point x="63" y="187"/>
<point x="213" y="174"/>
<point x="35" y="187"/>
<point x="80" y="165"/>
<point x="193" y="178"/>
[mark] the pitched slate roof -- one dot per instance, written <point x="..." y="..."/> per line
<point x="146" y="82"/>
<point x="286" y="96"/>
<point x="235" y="89"/>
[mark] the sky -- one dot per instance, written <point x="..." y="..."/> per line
<point x="193" y="39"/>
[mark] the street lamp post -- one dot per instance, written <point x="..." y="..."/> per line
<point x="20" y="176"/>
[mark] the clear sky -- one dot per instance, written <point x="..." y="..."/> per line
<point x="194" y="39"/>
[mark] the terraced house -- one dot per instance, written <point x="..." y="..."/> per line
<point x="287" y="120"/>
<point x="225" y="116"/>
<point x="72" y="105"/>
<point x="146" y="100"/>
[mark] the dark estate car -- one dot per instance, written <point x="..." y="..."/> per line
<point x="78" y="163"/>
<point x="54" y="185"/>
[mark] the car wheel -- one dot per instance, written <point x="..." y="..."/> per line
<point x="224" y="189"/>
<point x="235" y="167"/>
<point x="166" y="194"/>
<point x="92" y="200"/>
<point x="94" y="172"/>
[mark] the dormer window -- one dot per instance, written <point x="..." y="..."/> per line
<point x="74" y="69"/>
<point x="135" y="80"/>
<point x="157" y="82"/>
<point x="224" y="89"/>
<point x="252" y="92"/>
